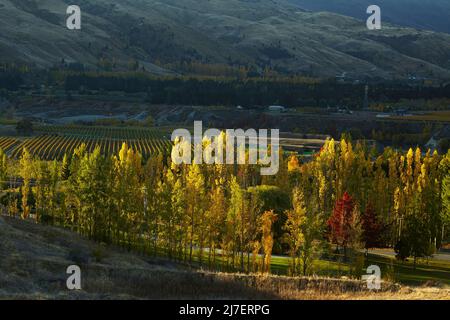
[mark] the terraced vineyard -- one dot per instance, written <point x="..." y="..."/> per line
<point x="55" y="141"/>
<point x="8" y="144"/>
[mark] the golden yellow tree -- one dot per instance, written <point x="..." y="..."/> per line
<point x="266" y="226"/>
<point x="294" y="237"/>
<point x="26" y="172"/>
<point x="195" y="195"/>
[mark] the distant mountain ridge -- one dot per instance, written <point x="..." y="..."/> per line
<point x="421" y="14"/>
<point x="257" y="33"/>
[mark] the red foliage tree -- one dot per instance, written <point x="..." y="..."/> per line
<point x="341" y="221"/>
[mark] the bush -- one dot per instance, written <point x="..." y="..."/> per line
<point x="99" y="253"/>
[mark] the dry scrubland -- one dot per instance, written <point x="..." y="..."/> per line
<point x="218" y="31"/>
<point x="33" y="260"/>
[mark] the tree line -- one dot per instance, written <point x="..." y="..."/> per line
<point x="228" y="217"/>
<point x="244" y="89"/>
<point x="250" y="91"/>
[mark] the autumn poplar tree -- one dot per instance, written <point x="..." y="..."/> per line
<point x="128" y="194"/>
<point x="93" y="192"/>
<point x="266" y="222"/>
<point x="3" y="168"/>
<point x="235" y="208"/>
<point x="446" y="204"/>
<point x="343" y="223"/>
<point x="42" y="193"/>
<point x="444" y="168"/>
<point x="195" y="196"/>
<point x="216" y="217"/>
<point x="26" y="172"/>
<point x="179" y="221"/>
<point x="294" y="227"/>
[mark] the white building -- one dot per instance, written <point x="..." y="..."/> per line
<point x="277" y="109"/>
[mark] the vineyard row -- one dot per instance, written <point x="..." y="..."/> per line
<point x="51" y="147"/>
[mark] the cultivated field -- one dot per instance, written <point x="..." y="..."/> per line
<point x="55" y="141"/>
<point x="440" y="116"/>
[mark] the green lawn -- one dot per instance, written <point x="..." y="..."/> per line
<point x="391" y="269"/>
<point x="403" y="272"/>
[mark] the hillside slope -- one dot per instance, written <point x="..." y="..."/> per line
<point x="430" y="15"/>
<point x="34" y="258"/>
<point x="258" y="33"/>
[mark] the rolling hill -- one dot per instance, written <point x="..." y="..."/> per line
<point x="256" y="33"/>
<point x="429" y="15"/>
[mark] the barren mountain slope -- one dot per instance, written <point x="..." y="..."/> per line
<point x="238" y="32"/>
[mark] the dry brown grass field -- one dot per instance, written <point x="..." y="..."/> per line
<point x="34" y="258"/>
<point x="441" y="116"/>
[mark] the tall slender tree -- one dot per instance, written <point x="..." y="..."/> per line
<point x="26" y="172"/>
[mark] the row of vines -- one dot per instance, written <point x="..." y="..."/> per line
<point x="55" y="141"/>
